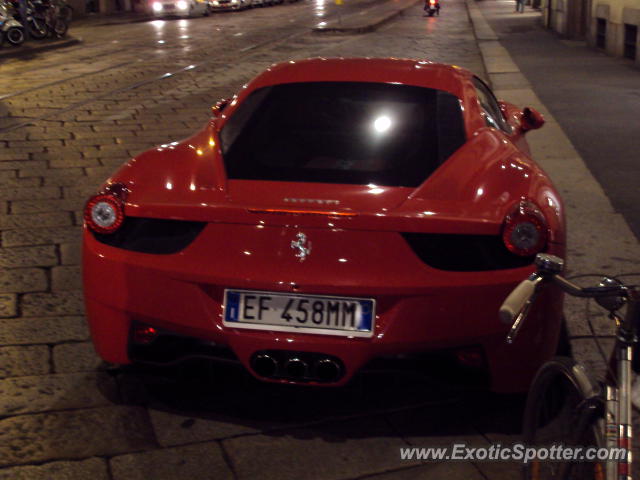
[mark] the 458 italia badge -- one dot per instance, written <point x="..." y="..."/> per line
<point x="302" y="247"/>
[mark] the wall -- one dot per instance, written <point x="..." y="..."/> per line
<point x="578" y="19"/>
<point x="616" y="13"/>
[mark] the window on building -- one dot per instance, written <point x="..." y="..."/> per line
<point x="630" y="41"/>
<point x="601" y="33"/>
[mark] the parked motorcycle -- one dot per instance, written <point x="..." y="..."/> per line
<point x="432" y="7"/>
<point x="44" y="17"/>
<point x="10" y="28"/>
<point x="33" y="21"/>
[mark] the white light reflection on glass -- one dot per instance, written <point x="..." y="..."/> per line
<point x="169" y="186"/>
<point x="382" y="124"/>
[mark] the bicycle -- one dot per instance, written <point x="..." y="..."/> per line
<point x="564" y="405"/>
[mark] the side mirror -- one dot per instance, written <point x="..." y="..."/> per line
<point x="219" y="107"/>
<point x="531" y="119"/>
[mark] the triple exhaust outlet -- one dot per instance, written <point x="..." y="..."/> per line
<point x="301" y="367"/>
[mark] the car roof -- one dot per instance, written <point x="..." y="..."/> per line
<point x="423" y="73"/>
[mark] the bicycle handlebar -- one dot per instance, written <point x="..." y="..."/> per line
<point x="517" y="305"/>
<point x="517" y="299"/>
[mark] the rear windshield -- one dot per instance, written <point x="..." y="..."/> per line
<point x="342" y="132"/>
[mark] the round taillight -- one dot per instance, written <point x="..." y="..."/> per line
<point x="104" y="213"/>
<point x="525" y="230"/>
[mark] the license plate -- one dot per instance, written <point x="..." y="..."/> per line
<point x="299" y="313"/>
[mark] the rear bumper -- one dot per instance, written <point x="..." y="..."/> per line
<point x="416" y="313"/>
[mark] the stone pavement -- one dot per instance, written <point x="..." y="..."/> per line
<point x="360" y="21"/>
<point x="31" y="47"/>
<point x="365" y="20"/>
<point x="68" y="119"/>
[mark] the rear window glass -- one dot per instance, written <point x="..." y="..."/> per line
<point x="342" y="132"/>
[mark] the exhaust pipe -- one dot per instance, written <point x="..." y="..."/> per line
<point x="295" y="368"/>
<point x="327" y="370"/>
<point x="265" y="365"/>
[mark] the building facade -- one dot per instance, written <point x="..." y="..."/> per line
<point x="609" y="25"/>
<point x="82" y="8"/>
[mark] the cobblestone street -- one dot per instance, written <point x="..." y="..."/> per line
<point x="68" y="119"/>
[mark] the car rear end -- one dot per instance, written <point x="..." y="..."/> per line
<point x="341" y="233"/>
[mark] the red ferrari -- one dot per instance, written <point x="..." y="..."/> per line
<point x="335" y="212"/>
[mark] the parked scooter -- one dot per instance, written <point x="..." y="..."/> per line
<point x="432" y="7"/>
<point x="10" y="28"/>
<point x="44" y="17"/>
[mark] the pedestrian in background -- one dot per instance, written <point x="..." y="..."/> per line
<point x="520" y="6"/>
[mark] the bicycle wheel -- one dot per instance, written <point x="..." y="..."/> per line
<point x="563" y="407"/>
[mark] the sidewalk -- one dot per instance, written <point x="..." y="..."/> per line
<point x="599" y="238"/>
<point x="595" y="97"/>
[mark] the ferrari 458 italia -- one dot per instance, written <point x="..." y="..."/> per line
<point x="332" y="213"/>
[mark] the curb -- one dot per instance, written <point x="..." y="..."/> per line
<point x="26" y="50"/>
<point x="366" y="27"/>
